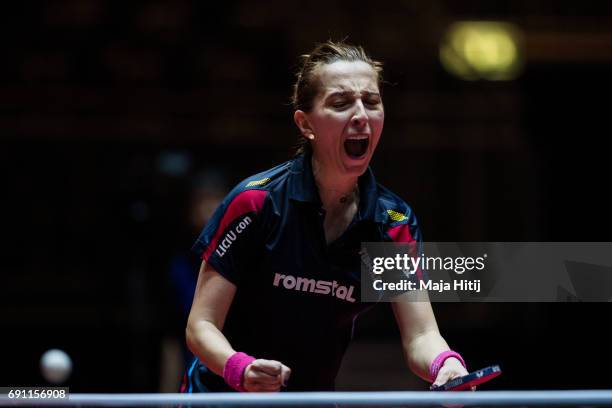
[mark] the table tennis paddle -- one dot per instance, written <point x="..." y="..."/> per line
<point x="470" y="380"/>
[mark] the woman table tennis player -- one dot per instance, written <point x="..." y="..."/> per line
<point x="277" y="294"/>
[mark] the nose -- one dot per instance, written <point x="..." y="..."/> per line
<point x="360" y="116"/>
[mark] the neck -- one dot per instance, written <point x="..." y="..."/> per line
<point x="334" y="191"/>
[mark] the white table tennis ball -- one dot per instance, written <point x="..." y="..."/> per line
<point x="55" y="366"/>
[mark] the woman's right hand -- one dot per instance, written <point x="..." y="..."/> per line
<point x="265" y="376"/>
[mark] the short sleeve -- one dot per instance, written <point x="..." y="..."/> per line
<point x="403" y="228"/>
<point x="231" y="236"/>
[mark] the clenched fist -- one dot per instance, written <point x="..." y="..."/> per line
<point x="265" y="376"/>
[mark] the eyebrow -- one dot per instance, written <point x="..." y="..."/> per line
<point x="349" y="93"/>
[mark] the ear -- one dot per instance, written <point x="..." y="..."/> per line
<point x="301" y="121"/>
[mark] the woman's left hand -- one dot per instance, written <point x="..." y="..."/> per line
<point x="451" y="369"/>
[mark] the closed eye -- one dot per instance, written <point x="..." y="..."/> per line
<point x="340" y="103"/>
<point x="372" y="100"/>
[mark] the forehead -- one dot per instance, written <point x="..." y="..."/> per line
<point x="353" y="76"/>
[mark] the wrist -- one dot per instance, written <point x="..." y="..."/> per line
<point x="440" y="361"/>
<point x="453" y="361"/>
<point x="233" y="371"/>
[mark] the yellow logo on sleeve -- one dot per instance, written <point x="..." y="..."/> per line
<point x="261" y="182"/>
<point x="396" y="216"/>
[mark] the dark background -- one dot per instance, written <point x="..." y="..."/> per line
<point x="95" y="96"/>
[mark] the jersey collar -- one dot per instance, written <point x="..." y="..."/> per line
<point x="302" y="187"/>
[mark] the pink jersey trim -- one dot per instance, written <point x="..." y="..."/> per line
<point x="401" y="234"/>
<point x="244" y="203"/>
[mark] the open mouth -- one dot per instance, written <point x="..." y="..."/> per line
<point x="356" y="148"/>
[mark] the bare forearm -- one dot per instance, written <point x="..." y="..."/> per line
<point x="422" y="350"/>
<point x="207" y="342"/>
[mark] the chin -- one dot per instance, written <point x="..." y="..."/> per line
<point x="356" y="167"/>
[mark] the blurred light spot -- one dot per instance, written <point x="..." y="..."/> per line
<point x="473" y="50"/>
<point x="174" y="163"/>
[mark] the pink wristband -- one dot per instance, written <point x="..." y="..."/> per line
<point x="234" y="370"/>
<point x="438" y="362"/>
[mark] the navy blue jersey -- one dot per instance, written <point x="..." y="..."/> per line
<point x="297" y="297"/>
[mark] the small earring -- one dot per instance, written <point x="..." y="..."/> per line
<point x="310" y="136"/>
